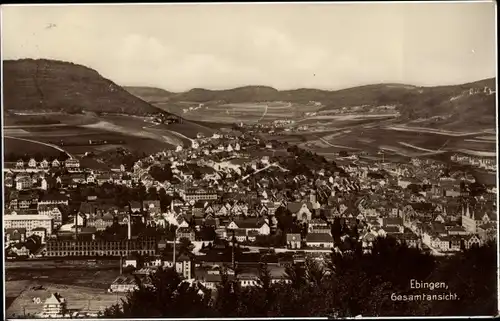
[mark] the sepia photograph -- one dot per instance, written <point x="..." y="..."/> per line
<point x="250" y="160"/>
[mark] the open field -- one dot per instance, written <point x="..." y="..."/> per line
<point x="85" y="299"/>
<point x="79" y="144"/>
<point x="341" y="122"/>
<point x="238" y="112"/>
<point x="12" y="145"/>
<point x="406" y="140"/>
<point x="98" y="277"/>
<point x="414" y="129"/>
<point x="75" y="131"/>
<point x="47" y="118"/>
<point x="352" y="117"/>
<point x="77" y="283"/>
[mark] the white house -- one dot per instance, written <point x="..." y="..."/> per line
<point x="44" y="164"/>
<point x="54" y="307"/>
<point x="324" y="240"/>
<point x="32" y="163"/>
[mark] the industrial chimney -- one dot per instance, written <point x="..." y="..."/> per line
<point x="76" y="226"/>
<point x="129" y="225"/>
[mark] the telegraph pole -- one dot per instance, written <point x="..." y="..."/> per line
<point x="175" y="237"/>
<point x="233" y="261"/>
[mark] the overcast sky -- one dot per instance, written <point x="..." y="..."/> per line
<point x="328" y="46"/>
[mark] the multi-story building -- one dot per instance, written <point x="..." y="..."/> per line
<point x="468" y="221"/>
<point x="52" y="211"/>
<point x="28" y="221"/>
<point x="55" y="199"/>
<point x="183" y="266"/>
<point x="41" y="233"/>
<point x="72" y="163"/>
<point x="54" y="307"/>
<point x="24" y="183"/>
<point x="32" y="163"/>
<point x="200" y="195"/>
<point x="123" y="284"/>
<point x="186" y="232"/>
<point x="101" y="247"/>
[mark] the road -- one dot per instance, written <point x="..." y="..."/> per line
<point x="433" y="250"/>
<point x="42" y="143"/>
<point x="262" y="169"/>
<point x="35" y="126"/>
<point x="180" y="135"/>
<point x="435" y="131"/>
<point x="170" y="131"/>
<point x="283" y="250"/>
<point x="332" y="145"/>
<point x="264" y="114"/>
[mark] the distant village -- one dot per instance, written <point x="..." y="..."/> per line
<point x="230" y="201"/>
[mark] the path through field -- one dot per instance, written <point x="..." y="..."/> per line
<point x="104" y="125"/>
<point x="42" y="143"/>
<point x="263" y="169"/>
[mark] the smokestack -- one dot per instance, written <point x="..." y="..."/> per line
<point x="76" y="226"/>
<point x="232" y="254"/>
<point x="129" y="225"/>
<point x="172" y="205"/>
<point x="175" y="237"/>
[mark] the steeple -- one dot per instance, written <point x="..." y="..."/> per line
<point x="468" y="211"/>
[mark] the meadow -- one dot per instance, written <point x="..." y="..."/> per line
<point x="75" y="132"/>
<point x="20" y="147"/>
<point x="85" y="299"/>
<point x="83" y="287"/>
<point x="238" y="112"/>
<point x="407" y="143"/>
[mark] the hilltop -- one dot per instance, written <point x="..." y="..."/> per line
<point x="149" y="94"/>
<point x="449" y="106"/>
<point x="50" y="85"/>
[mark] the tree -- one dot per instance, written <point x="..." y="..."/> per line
<point x="161" y="174"/>
<point x="165" y="199"/>
<point x="296" y="274"/>
<point x="314" y="272"/>
<point x="185" y="245"/>
<point x="336" y="230"/>
<point x="152" y="193"/>
<point x="472" y="276"/>
<point x="207" y="233"/>
<point x="414" y="188"/>
<point x="166" y="296"/>
<point x="285" y="219"/>
<point x="33" y="243"/>
<point x="356" y="283"/>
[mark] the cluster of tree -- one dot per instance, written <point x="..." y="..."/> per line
<point x="338" y="230"/>
<point x="346" y="285"/>
<point x="286" y="222"/>
<point x="376" y="175"/>
<point x="206" y="233"/>
<point x="38" y="156"/>
<point x="119" y="231"/>
<point x="273" y="240"/>
<point x="303" y="162"/>
<point x="123" y="195"/>
<point x="162" y="174"/>
<point x="34" y="120"/>
<point x="33" y="243"/>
